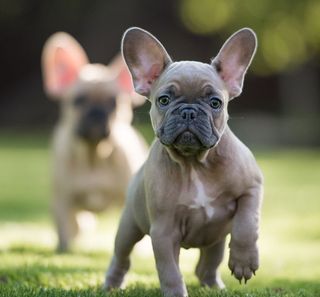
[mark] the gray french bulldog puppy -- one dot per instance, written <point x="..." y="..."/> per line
<point x="200" y="182"/>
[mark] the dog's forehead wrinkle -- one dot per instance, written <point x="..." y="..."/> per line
<point x="98" y="95"/>
<point x="97" y="79"/>
<point x="96" y="73"/>
<point x="190" y="78"/>
<point x="189" y="69"/>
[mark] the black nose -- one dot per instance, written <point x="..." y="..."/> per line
<point x="97" y="115"/>
<point x="188" y="113"/>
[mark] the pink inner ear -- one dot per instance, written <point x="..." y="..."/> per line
<point x="66" y="69"/>
<point x="154" y="73"/>
<point x="145" y="78"/>
<point x="125" y="81"/>
<point x="232" y="74"/>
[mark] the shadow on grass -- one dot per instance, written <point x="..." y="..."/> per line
<point x="48" y="252"/>
<point x="80" y="273"/>
<point x="140" y="290"/>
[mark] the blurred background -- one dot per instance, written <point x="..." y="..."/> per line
<point x="277" y="116"/>
<point x="281" y="99"/>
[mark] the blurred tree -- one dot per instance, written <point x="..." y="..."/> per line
<point x="288" y="33"/>
<point x="289" y="47"/>
<point x="288" y="30"/>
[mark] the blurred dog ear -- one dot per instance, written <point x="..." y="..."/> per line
<point x="234" y="59"/>
<point x="146" y="58"/>
<point x="62" y="59"/>
<point x="124" y="79"/>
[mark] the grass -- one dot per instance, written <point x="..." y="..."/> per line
<point x="289" y="244"/>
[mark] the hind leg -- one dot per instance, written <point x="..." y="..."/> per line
<point x="128" y="235"/>
<point x="207" y="267"/>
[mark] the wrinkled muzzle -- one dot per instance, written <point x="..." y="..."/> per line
<point x="93" y="125"/>
<point x="188" y="128"/>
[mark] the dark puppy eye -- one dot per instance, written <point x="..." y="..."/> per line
<point x="79" y="101"/>
<point x="110" y="105"/>
<point x="164" y="100"/>
<point x="111" y="101"/>
<point x="215" y="103"/>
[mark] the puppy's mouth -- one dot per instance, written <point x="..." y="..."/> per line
<point x="189" y="141"/>
<point x="94" y="134"/>
<point x="94" y="125"/>
<point x="188" y="128"/>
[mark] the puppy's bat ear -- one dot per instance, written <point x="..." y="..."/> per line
<point x="124" y="81"/>
<point x="120" y="69"/>
<point x="234" y="59"/>
<point x="62" y="59"/>
<point x="146" y="58"/>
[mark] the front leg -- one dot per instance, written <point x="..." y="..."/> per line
<point x="244" y="255"/>
<point x="128" y="235"/>
<point x="65" y="219"/>
<point x="166" y="248"/>
<point x="207" y="267"/>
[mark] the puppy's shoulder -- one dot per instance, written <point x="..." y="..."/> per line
<point x="159" y="166"/>
<point x="241" y="160"/>
<point x="158" y="154"/>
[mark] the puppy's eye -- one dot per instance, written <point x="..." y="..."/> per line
<point x="164" y="100"/>
<point x="215" y="103"/>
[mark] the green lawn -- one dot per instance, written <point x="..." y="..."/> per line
<point x="290" y="233"/>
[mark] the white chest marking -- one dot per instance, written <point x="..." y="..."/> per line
<point x="201" y="199"/>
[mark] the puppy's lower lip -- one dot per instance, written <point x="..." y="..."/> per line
<point x="187" y="139"/>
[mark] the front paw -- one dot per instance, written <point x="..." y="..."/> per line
<point x="174" y="291"/>
<point x="243" y="261"/>
<point x="115" y="274"/>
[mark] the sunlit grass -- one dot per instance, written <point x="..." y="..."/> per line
<point x="290" y="233"/>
